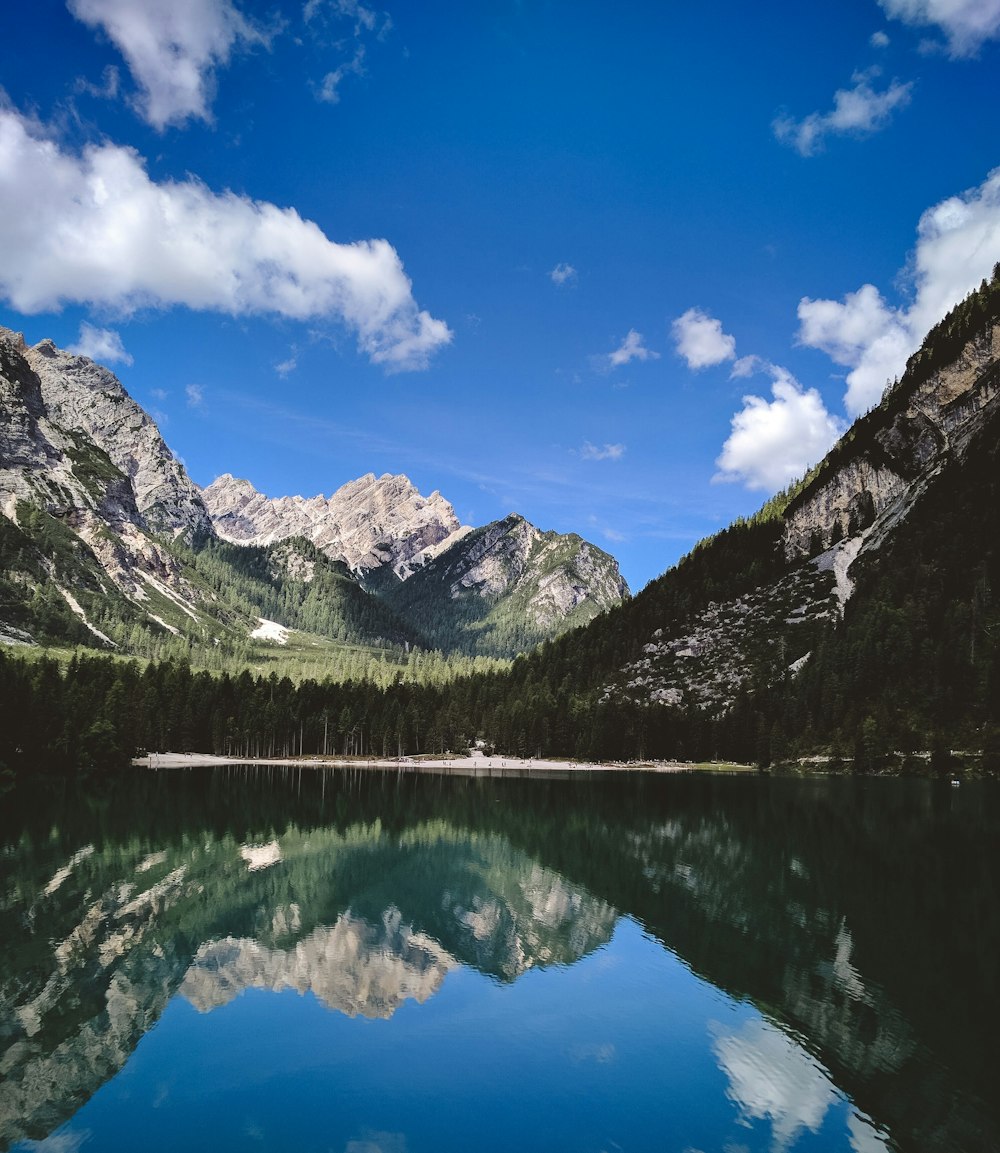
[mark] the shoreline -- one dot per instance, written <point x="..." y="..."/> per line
<point x="481" y="766"/>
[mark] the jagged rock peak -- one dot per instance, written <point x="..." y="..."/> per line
<point x="367" y="523"/>
<point x="83" y="396"/>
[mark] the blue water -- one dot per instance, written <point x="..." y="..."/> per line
<point x="469" y="966"/>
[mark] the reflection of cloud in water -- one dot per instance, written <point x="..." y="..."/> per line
<point x="771" y="1077"/>
<point x="865" y="1139"/>
<point x="377" y="1143"/>
<point x="58" y="1143"/>
<point x="600" y="1054"/>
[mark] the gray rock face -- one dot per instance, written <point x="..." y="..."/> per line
<point x="369" y="523"/>
<point x="75" y="445"/>
<point x="79" y="394"/>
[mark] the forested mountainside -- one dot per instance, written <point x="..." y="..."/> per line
<point x="106" y="542"/>
<point x="506" y="587"/>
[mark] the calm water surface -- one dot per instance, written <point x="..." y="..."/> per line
<point x="282" y="960"/>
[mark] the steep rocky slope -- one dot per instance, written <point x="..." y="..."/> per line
<point x="838" y="525"/>
<point x="77" y="456"/>
<point x="85" y="397"/>
<point x="506" y="586"/>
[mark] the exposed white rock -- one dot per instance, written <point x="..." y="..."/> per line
<point x="552" y="574"/>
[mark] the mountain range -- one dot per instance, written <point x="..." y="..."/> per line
<point x="853" y="617"/>
<point x="106" y="541"/>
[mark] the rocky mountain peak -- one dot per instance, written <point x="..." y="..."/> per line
<point x="368" y="523"/>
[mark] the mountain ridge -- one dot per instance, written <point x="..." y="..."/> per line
<point x="104" y="533"/>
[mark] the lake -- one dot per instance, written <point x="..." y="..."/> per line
<point x="343" y="962"/>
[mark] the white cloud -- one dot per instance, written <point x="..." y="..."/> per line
<point x="863" y="333"/>
<point x="860" y="111"/>
<point x="195" y="396"/>
<point x="701" y="341"/>
<point x="967" y="24"/>
<point x="101" y="344"/>
<point x="879" y="40"/>
<point x="159" y="393"/>
<point x="172" y="49"/>
<point x="631" y="348"/>
<point x="94" y="229"/>
<point x="563" y="274"/>
<point x="958" y="244"/>
<point x="286" y="366"/>
<point x="605" y="452"/>
<point x="774" y="442"/>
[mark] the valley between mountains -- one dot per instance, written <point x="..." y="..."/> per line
<point x="852" y="619"/>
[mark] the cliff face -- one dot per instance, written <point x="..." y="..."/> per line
<point x="369" y="523"/>
<point x="889" y="457"/>
<point x="74" y="447"/>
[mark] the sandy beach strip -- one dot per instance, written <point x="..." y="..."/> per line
<point x="478" y="766"/>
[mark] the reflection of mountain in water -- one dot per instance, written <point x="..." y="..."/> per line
<point x="358" y="968"/>
<point x="361" y="917"/>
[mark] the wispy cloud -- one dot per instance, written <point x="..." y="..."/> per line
<point x="329" y="88"/>
<point x="368" y="23"/>
<point x="604" y="452"/>
<point x="104" y="234"/>
<point x="879" y="40"/>
<point x="858" y="111"/>
<point x="563" y="274"/>
<point x="195" y="396"/>
<point x="700" y="340"/>
<point x="101" y="344"/>
<point x="172" y="50"/>
<point x="631" y="348"/>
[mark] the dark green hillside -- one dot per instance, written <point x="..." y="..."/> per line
<point x="916" y="661"/>
<point x="294" y="583"/>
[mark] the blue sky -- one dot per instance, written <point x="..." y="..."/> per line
<point x="623" y="270"/>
